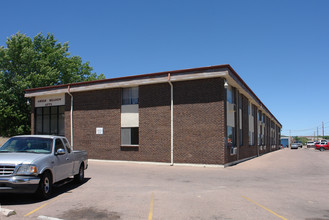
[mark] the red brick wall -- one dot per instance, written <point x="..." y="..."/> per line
<point x="154" y="123"/>
<point x="96" y="109"/>
<point x="198" y="123"/>
<point x="199" y="129"/>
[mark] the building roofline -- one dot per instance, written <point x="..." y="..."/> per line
<point x="131" y="77"/>
<point x="164" y="73"/>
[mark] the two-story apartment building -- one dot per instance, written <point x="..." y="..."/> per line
<point x="205" y="115"/>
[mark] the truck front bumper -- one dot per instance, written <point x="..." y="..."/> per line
<point x="19" y="184"/>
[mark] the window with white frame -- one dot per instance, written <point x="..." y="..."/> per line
<point x="130" y="96"/>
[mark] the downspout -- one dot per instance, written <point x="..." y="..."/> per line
<point x="171" y="121"/>
<point x="71" y="115"/>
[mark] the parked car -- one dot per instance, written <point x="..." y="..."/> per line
<point x="323" y="145"/>
<point x="296" y="145"/>
<point x="310" y="144"/>
<point x="33" y="163"/>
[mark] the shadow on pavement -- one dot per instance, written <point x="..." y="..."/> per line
<point x="20" y="199"/>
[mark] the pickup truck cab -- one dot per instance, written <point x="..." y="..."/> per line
<point x="323" y="145"/>
<point x="33" y="163"/>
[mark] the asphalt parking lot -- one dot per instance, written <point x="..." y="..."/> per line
<point x="286" y="184"/>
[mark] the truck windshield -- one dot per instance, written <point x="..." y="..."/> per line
<point x="28" y="144"/>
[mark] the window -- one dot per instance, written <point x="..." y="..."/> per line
<point x="28" y="144"/>
<point x="231" y="118"/>
<point x="230" y="136"/>
<point x="58" y="145"/>
<point x="67" y="145"/>
<point x="50" y="120"/>
<point x="260" y="128"/>
<point x="273" y="134"/>
<point x="251" y="114"/>
<point x="129" y="136"/>
<point x="230" y="96"/>
<point x="263" y="129"/>
<point x="130" y="96"/>
<point x="240" y="119"/>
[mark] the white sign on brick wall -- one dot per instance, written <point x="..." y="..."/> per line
<point x="51" y="100"/>
<point x="99" y="130"/>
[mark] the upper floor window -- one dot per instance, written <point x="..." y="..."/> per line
<point x="129" y="136"/>
<point x="251" y="113"/>
<point x="230" y="95"/>
<point x="130" y="96"/>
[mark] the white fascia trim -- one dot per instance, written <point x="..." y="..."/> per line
<point x="133" y="83"/>
<point x="43" y="93"/>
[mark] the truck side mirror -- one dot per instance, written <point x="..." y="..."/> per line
<point x="60" y="151"/>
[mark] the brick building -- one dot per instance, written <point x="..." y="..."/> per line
<point x="205" y="115"/>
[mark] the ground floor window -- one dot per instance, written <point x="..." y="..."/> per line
<point x="50" y="120"/>
<point x="231" y="136"/>
<point x="251" y="138"/>
<point x="129" y="136"/>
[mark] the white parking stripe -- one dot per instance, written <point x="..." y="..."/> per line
<point x="41" y="217"/>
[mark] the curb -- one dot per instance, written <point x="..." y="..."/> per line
<point x="7" y="212"/>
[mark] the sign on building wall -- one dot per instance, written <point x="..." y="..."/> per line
<point x="99" y="130"/>
<point x="51" y="100"/>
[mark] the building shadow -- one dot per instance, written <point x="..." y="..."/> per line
<point x="59" y="189"/>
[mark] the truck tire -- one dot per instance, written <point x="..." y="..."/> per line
<point x="321" y="149"/>
<point x="79" y="178"/>
<point x="45" y="186"/>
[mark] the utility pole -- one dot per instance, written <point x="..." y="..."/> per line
<point x="314" y="136"/>
<point x="289" y="138"/>
<point x="317" y="133"/>
<point x="322" y="130"/>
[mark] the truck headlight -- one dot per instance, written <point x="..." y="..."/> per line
<point x="27" y="169"/>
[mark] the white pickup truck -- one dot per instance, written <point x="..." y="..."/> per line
<point x="33" y="163"/>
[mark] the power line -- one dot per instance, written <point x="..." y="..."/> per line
<point x="307" y="129"/>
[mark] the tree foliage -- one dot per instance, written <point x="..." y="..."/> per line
<point x="30" y="63"/>
<point x="302" y="139"/>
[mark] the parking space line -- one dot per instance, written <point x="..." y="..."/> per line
<point x="33" y="211"/>
<point x="151" y="207"/>
<point x="269" y="210"/>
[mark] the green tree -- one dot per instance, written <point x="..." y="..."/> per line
<point x="30" y="63"/>
<point x="302" y="139"/>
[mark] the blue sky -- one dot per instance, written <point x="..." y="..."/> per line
<point x="279" y="48"/>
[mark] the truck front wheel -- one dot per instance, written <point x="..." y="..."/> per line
<point x="321" y="149"/>
<point x="79" y="178"/>
<point x="45" y="186"/>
